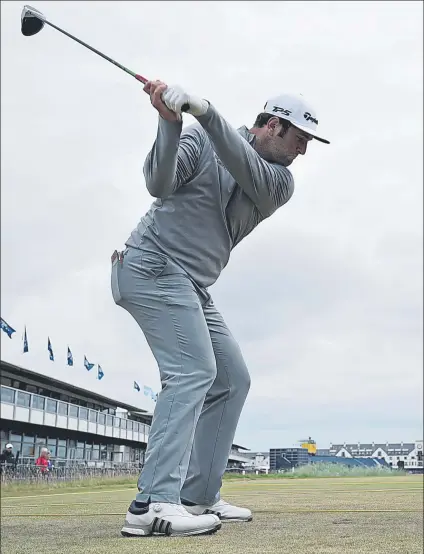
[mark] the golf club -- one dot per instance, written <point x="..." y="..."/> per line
<point x="32" y="21"/>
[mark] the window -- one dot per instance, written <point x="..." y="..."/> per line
<point x="83" y="413"/>
<point x="40" y="441"/>
<point x="16" y="440"/>
<point x="129" y="425"/>
<point x="6" y="381"/>
<point x="27" y="450"/>
<point x="73" y="410"/>
<point x="95" y="455"/>
<point x="102" y="419"/>
<point x="63" y="409"/>
<point x="61" y="451"/>
<point x="7" y="395"/>
<point x="93" y="416"/>
<point x="38" y="402"/>
<point x="135" y="426"/>
<point x="23" y="399"/>
<point x="116" y="421"/>
<point x="379" y="454"/>
<point x="123" y="423"/>
<point x="31" y="388"/>
<point x="51" y="442"/>
<point x="109" y="420"/>
<point x="51" y="406"/>
<point x="79" y="453"/>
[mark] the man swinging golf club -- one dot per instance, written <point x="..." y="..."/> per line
<point x="212" y="185"/>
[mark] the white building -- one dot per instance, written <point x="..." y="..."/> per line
<point x="407" y="455"/>
<point x="258" y="461"/>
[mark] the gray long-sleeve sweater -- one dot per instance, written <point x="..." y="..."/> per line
<point x="212" y="189"/>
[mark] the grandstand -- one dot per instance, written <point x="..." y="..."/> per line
<point x="76" y="425"/>
<point x="351" y="462"/>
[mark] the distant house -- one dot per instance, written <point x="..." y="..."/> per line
<point x="257" y="461"/>
<point x="407" y="455"/>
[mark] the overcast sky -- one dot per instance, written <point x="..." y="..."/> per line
<point x="325" y="297"/>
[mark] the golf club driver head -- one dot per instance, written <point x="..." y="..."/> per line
<point x="32" y="21"/>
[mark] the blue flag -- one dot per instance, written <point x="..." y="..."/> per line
<point x="87" y="364"/>
<point x="147" y="391"/>
<point x="25" y="341"/>
<point x="70" y="357"/>
<point x="7" y="328"/>
<point x="50" y="349"/>
<point x="100" y="373"/>
<point x="136" y="386"/>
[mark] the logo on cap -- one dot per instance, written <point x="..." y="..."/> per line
<point x="310" y="117"/>
<point x="282" y="111"/>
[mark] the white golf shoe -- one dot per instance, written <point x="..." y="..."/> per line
<point x="160" y="518"/>
<point x="224" y="510"/>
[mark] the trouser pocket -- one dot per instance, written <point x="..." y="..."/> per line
<point x="114" y="281"/>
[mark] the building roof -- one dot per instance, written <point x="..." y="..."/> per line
<point x="20" y="372"/>
<point x="240" y="447"/>
<point x="373" y="447"/>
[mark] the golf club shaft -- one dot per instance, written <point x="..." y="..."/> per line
<point x="135" y="75"/>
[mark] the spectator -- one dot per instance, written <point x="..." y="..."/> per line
<point x="7" y="455"/>
<point x="50" y="465"/>
<point x="43" y="461"/>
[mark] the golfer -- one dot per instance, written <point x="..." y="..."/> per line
<point x="213" y="185"/>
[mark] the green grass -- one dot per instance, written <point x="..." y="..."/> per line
<point x="322" y="470"/>
<point x="355" y="515"/>
<point x="319" y="470"/>
<point x="17" y="488"/>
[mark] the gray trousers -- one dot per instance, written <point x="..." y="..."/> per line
<point x="204" y="378"/>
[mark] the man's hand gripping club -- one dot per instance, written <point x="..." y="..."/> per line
<point x="169" y="101"/>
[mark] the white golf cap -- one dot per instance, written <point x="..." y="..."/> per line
<point x="9" y="445"/>
<point x="295" y="109"/>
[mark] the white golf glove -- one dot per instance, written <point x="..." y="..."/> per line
<point x="175" y="97"/>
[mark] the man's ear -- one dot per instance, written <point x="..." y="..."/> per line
<point x="273" y="125"/>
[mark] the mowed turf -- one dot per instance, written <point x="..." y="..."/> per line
<point x="375" y="515"/>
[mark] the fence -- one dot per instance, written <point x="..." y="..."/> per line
<point x="25" y="472"/>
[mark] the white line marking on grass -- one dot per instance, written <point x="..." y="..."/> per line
<point x="63" y="494"/>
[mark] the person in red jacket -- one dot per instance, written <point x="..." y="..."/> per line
<point x="43" y="461"/>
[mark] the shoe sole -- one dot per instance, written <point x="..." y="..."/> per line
<point x="131" y="532"/>
<point x="237" y="520"/>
